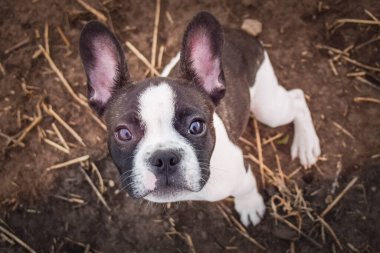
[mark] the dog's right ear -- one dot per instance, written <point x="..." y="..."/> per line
<point x="104" y="62"/>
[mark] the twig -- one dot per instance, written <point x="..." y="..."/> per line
<point x="98" y="194"/>
<point x="49" y="110"/>
<point x="345" y="131"/>
<point x="62" y="78"/>
<point x="68" y="163"/>
<point x="141" y="57"/>
<point x="63" y="37"/>
<point x="100" y="16"/>
<point x="366" y="99"/>
<point x="16" y="239"/>
<point x="17" y="46"/>
<point x="259" y="151"/>
<point x="338" y="198"/>
<point x="155" y="33"/>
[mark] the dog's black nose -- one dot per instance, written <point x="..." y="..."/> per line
<point x="165" y="161"/>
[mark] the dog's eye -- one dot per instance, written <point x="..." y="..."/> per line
<point x="196" y="127"/>
<point x="123" y="134"/>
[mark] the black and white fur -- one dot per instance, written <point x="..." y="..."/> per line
<point x="175" y="137"/>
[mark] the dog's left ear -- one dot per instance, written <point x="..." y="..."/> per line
<point x="201" y="55"/>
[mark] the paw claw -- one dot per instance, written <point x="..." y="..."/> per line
<point x="306" y="146"/>
<point x="251" y="208"/>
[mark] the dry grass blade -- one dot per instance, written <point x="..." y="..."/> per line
<point x="100" y="16"/>
<point x="17" y="46"/>
<point x="359" y="64"/>
<point x="2" y="69"/>
<point x="155" y="35"/>
<point x="247" y="142"/>
<point x="46" y="37"/>
<point x="49" y="110"/>
<point x="60" y="137"/>
<point x="55" y="145"/>
<point x="160" y="56"/>
<point x="68" y="163"/>
<point x="100" y="178"/>
<point x="70" y="200"/>
<point x="357" y="21"/>
<point x="189" y="242"/>
<point x="35" y="122"/>
<point x="259" y="151"/>
<point x="16" y="239"/>
<point x="338" y="198"/>
<point x="63" y="37"/>
<point x="226" y="212"/>
<point x="366" y="99"/>
<point x="62" y="78"/>
<point x="98" y="194"/>
<point x="332" y="49"/>
<point x="141" y="57"/>
<point x="298" y="230"/>
<point x="11" y="139"/>
<point x="329" y="228"/>
<point x="273" y="138"/>
<point x="333" y="68"/>
<point x="370" y="15"/>
<point x="367" y="42"/>
<point x="345" y="131"/>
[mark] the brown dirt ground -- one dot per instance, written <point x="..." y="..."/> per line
<point x="292" y="29"/>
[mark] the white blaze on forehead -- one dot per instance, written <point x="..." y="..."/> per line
<point x="157" y="108"/>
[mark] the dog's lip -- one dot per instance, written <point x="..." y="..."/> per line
<point x="169" y="190"/>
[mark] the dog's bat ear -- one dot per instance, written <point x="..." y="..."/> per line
<point x="201" y="55"/>
<point x="104" y="62"/>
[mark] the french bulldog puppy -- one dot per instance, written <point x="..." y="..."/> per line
<point x="175" y="137"/>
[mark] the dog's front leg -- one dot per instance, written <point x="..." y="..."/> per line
<point x="248" y="201"/>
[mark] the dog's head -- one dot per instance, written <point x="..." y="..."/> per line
<point x="160" y="130"/>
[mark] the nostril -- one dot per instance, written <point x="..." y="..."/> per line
<point x="173" y="161"/>
<point x="158" y="163"/>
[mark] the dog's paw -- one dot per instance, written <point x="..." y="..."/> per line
<point x="251" y="208"/>
<point x="306" y="145"/>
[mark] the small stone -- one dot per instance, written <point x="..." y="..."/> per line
<point x="111" y="183"/>
<point x="252" y="26"/>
